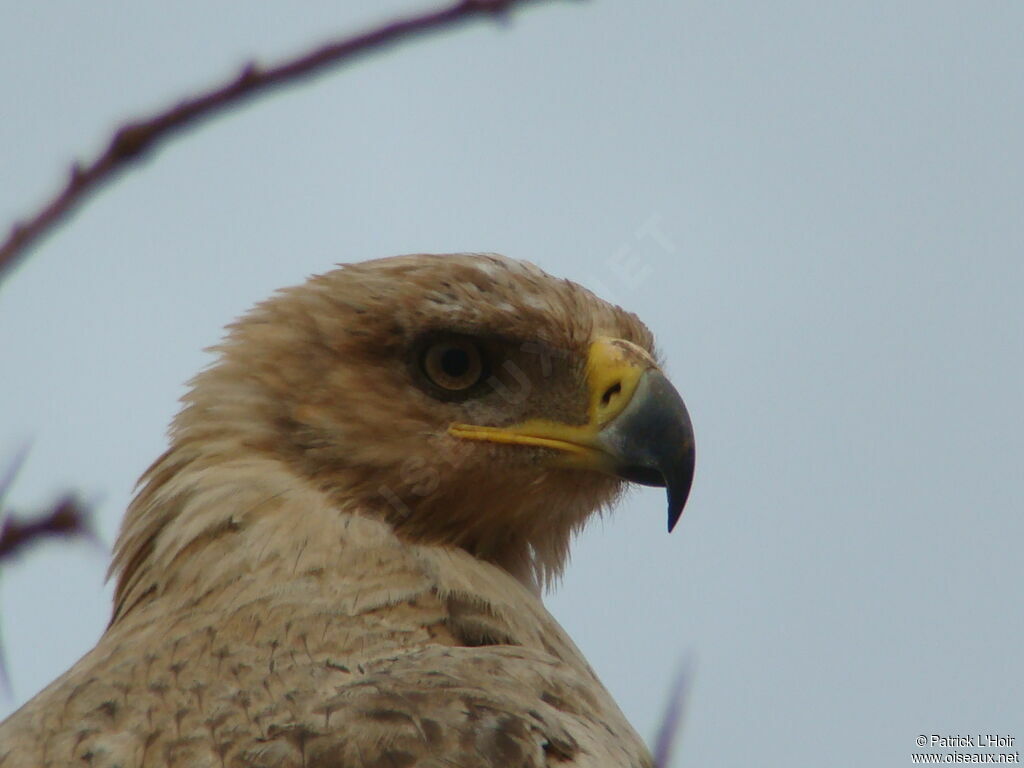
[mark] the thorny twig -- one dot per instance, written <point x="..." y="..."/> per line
<point x="135" y="139"/>
<point x="67" y="518"/>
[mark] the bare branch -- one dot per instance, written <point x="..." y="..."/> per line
<point x="672" y="720"/>
<point x="135" y="139"/>
<point x="67" y="518"/>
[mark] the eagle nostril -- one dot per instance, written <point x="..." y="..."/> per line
<point x="611" y="392"/>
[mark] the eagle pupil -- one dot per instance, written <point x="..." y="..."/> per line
<point x="455" y="362"/>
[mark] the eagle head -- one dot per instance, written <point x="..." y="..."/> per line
<point x="468" y="400"/>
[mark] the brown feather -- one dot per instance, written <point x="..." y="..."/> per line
<point x="316" y="574"/>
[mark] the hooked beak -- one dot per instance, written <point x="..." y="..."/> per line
<point x="637" y="426"/>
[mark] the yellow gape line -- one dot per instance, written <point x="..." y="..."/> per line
<point x="614" y="368"/>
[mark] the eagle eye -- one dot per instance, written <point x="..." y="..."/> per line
<point x="454" y="364"/>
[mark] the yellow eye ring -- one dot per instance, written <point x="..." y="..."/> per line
<point x="453" y="364"/>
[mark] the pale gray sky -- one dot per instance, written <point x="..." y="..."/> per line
<point x="820" y="208"/>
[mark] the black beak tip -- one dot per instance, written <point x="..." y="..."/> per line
<point x="675" y="511"/>
<point x="678" y="488"/>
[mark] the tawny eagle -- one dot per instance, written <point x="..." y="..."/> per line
<point x="338" y="561"/>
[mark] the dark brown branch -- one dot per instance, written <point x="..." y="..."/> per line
<point x="67" y="518"/>
<point x="133" y="140"/>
